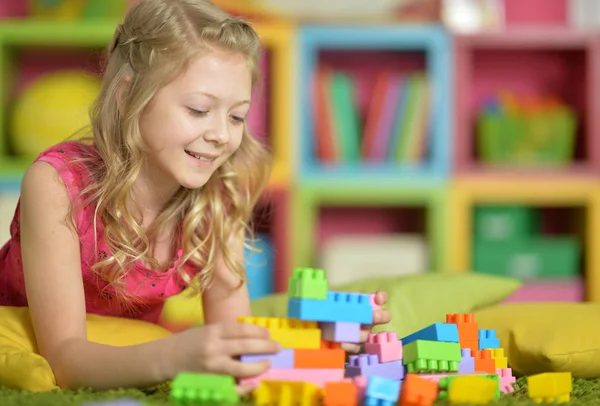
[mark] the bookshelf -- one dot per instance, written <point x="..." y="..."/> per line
<point x="360" y="54"/>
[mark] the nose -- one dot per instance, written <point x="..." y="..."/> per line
<point x="218" y="131"/>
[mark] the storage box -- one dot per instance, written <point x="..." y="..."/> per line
<point x="504" y="223"/>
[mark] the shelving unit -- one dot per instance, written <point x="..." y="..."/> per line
<point x="581" y="193"/>
<point x="361" y="51"/>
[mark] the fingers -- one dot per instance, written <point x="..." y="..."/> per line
<point x="246" y="388"/>
<point x="240" y="369"/>
<point x="382" y="316"/>
<point x="352" y="348"/>
<point x="241" y="346"/>
<point x="380" y="298"/>
<point x="243" y="330"/>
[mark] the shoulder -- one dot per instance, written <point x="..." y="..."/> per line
<point x="42" y="182"/>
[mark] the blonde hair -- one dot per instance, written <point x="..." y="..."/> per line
<point x="155" y="43"/>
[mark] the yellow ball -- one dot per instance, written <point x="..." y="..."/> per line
<point x="51" y="109"/>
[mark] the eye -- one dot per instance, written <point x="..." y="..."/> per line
<point x="198" y="113"/>
<point x="238" y="120"/>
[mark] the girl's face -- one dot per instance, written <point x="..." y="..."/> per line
<point x="195" y="123"/>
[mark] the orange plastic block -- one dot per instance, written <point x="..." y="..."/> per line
<point x="340" y="394"/>
<point x="472" y="345"/>
<point x="330" y="345"/>
<point x="289" y="333"/>
<point x="467" y="327"/>
<point x="417" y="391"/>
<point x="484" y="361"/>
<point x="321" y="358"/>
<point x="282" y="393"/>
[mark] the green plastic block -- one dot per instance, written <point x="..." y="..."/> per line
<point x="308" y="283"/>
<point x="556" y="257"/>
<point x="504" y="223"/>
<point x="189" y="388"/>
<point x="444" y="383"/>
<point x="431" y="356"/>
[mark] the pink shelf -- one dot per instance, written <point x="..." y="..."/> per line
<point x="528" y="61"/>
<point x="536" y="12"/>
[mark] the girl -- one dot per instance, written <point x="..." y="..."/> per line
<point x="156" y="200"/>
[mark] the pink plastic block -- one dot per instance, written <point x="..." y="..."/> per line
<point x="341" y="332"/>
<point x="385" y="345"/>
<point x="434" y="377"/>
<point x="317" y="376"/>
<point x="372" y="301"/>
<point x="369" y="365"/>
<point x="506" y="380"/>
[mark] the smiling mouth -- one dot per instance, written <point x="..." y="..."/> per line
<point x="199" y="157"/>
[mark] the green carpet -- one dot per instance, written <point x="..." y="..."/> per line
<point x="585" y="392"/>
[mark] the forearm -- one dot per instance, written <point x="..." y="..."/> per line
<point x="80" y="363"/>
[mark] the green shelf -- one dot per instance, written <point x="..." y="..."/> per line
<point x="309" y="198"/>
<point x="40" y="32"/>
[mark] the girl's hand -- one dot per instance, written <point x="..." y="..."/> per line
<point x="380" y="316"/>
<point x="216" y="348"/>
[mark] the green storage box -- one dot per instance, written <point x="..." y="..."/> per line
<point x="504" y="223"/>
<point x="536" y="258"/>
<point x="533" y="140"/>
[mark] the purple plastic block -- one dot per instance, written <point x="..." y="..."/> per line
<point x="341" y="332"/>
<point x="369" y="365"/>
<point x="467" y="365"/>
<point x="283" y="359"/>
<point x="120" y="402"/>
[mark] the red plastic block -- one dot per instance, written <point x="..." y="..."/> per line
<point x="340" y="394"/>
<point x="385" y="345"/>
<point x="484" y="361"/>
<point x="417" y="391"/>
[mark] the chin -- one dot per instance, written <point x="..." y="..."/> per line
<point x="194" y="183"/>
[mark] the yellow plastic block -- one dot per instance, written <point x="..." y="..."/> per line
<point x="498" y="355"/>
<point x="472" y="389"/>
<point x="550" y="387"/>
<point x="284" y="393"/>
<point x="289" y="333"/>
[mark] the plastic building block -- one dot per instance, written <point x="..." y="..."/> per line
<point x="200" y="388"/>
<point x="417" y="391"/>
<point x="330" y="345"/>
<point x="341" y="332"/>
<point x="289" y="333"/>
<point x="317" y="376"/>
<point x="283" y="359"/>
<point x="471" y="345"/>
<point x="488" y="339"/>
<point x="321" y="359"/>
<point x="467" y="363"/>
<point x="446" y="332"/>
<point x="431" y="356"/>
<point x="550" y="387"/>
<point x="369" y="365"/>
<point x="507" y="380"/>
<point x="361" y="383"/>
<point x="385" y="345"/>
<point x="372" y="301"/>
<point x="484" y="362"/>
<point x="339" y="306"/>
<point x="119" y="402"/>
<point x="472" y="390"/>
<point x="500" y="360"/>
<point x="445" y="383"/>
<point x="382" y="391"/>
<point x="286" y="393"/>
<point x="343" y="393"/>
<point x="308" y="283"/>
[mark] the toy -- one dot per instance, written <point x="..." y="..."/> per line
<point x="311" y="368"/>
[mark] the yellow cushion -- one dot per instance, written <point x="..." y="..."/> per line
<point x="547" y="337"/>
<point x="21" y="367"/>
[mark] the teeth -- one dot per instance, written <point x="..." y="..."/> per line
<point x="200" y="157"/>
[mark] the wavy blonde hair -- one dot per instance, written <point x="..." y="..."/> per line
<point x="155" y="43"/>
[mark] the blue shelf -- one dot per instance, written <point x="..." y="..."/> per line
<point x="435" y="42"/>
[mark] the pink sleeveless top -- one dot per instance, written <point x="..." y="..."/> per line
<point x="149" y="288"/>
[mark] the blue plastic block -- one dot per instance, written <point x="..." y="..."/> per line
<point x="488" y="339"/>
<point x="259" y="267"/>
<point x="383" y="389"/>
<point x="445" y="332"/>
<point x="339" y="306"/>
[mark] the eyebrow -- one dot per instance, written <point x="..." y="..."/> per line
<point x="212" y="96"/>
